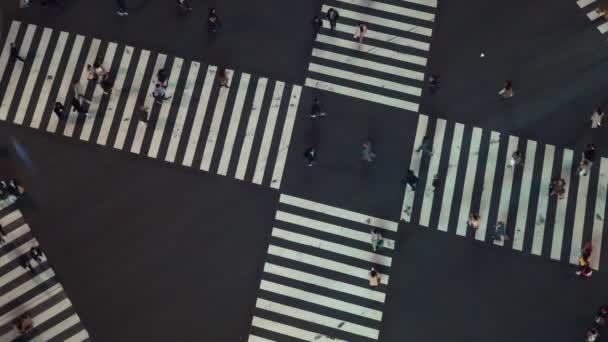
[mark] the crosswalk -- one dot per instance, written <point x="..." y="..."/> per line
<point x="314" y="285"/>
<point x="472" y="166"/>
<point x="38" y="294"/>
<point x="388" y="67"/>
<point x="591" y="6"/>
<point x="243" y="131"/>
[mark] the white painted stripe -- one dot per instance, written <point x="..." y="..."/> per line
<point x="325" y="282"/>
<point x="17" y="232"/>
<point x="338" y="212"/>
<point x="252" y="124"/>
<point x="149" y="101"/>
<point x="507" y="186"/>
<point x="163" y="113"/>
<point x="381" y="6"/>
<point x="11" y="87"/>
<point x="317" y="299"/>
<point x="374" y="50"/>
<point x="429" y="3"/>
<point x="57" y="329"/>
<point x="331" y="247"/>
<point x="216" y="122"/>
<point x="387" y="38"/>
<point x="253" y="338"/>
<point x="128" y="111"/>
<point x="593" y="15"/>
<point x="182" y="112"/>
<point x="10" y="217"/>
<point x="108" y="116"/>
<point x="78" y="337"/>
<point x="235" y="119"/>
<point x="524" y="196"/>
<point x="448" y="190"/>
<point x="603" y="28"/>
<point x="584" y="3"/>
<point x="469" y="183"/>
<point x="73" y="116"/>
<point x="15" y="253"/>
<point x="89" y="121"/>
<point x="323" y="263"/>
<point x="579" y="218"/>
<point x="33" y="75"/>
<point x="427" y="200"/>
<point x="49" y="79"/>
<point x="64" y="89"/>
<point x="599" y="214"/>
<point x="360" y="94"/>
<point x="373" y="81"/>
<point x="329" y="228"/>
<point x="30" y="304"/>
<point x="40" y="318"/>
<point x="315" y="318"/>
<point x="11" y="275"/>
<point x="374" y="20"/>
<point x="6" y="50"/>
<point x="26" y="286"/>
<point x="271" y="120"/>
<point x="408" y="197"/>
<point x="488" y="183"/>
<point x="290" y="118"/>
<point x="560" y="211"/>
<point x="288" y="330"/>
<point x="543" y="201"/>
<point x="367" y="64"/>
<point x="199" y="117"/>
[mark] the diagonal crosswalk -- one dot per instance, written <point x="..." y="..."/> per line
<point x="474" y="166"/>
<point x="388" y="67"/>
<point x="594" y="14"/>
<point x="314" y="285"/>
<point x="37" y="294"/>
<point x="243" y="131"/>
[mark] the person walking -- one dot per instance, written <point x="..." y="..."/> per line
<point x="411" y="179"/>
<point x="374" y="278"/>
<point x="600" y="317"/>
<point x="159" y="94"/>
<point x="36" y="253"/>
<point x="436" y="183"/>
<point x="425" y="146"/>
<point x="500" y="232"/>
<point x="213" y="21"/>
<point x="79" y="91"/>
<point x="506" y="91"/>
<point x="516" y="159"/>
<point x="122" y="8"/>
<point x="433" y="83"/>
<point x="24" y="324"/>
<point x="59" y="110"/>
<point x="15" y="53"/>
<point x="367" y="153"/>
<point x="143" y="113"/>
<point x="163" y="78"/>
<point x="376" y="239"/>
<point x="317" y="24"/>
<point x="183" y="6"/>
<point x="101" y="72"/>
<point x="558" y="188"/>
<point x="583" y="168"/>
<point x="26" y="262"/>
<point x="316" y="110"/>
<point x="77" y="106"/>
<point x="311" y="155"/>
<point x="360" y="32"/>
<point x="2" y="235"/>
<point x="596" y="117"/>
<point x="602" y="12"/>
<point x="589" y="153"/>
<point x="332" y="17"/>
<point x="592" y="335"/>
<point x="474" y="220"/>
<point x="223" y="78"/>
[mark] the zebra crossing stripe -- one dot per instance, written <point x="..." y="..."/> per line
<point x="469" y="182"/>
<point x="388" y="38"/>
<point x="408" y="197"/>
<point x="233" y="127"/>
<point x="543" y="201"/>
<point x="40" y="319"/>
<point x="108" y="117"/>
<point x="560" y="211"/>
<point x="488" y="183"/>
<point x="287" y="330"/>
<point x="81" y="336"/>
<point x="11" y="88"/>
<point x="35" y="301"/>
<point x="271" y="121"/>
<point x="579" y="218"/>
<point x="27" y="286"/>
<point x="254" y="338"/>
<point x="220" y="105"/>
<point x="524" y="196"/>
<point x="507" y="186"/>
<point x="290" y="117"/>
<point x="33" y="76"/>
<point x="429" y="3"/>
<point x="127" y="113"/>
<point x="6" y="50"/>
<point x="163" y="113"/>
<point x="599" y="214"/>
<point x="427" y="200"/>
<point x="73" y="116"/>
<point x="380" y="6"/>
<point x="57" y="329"/>
<point x="584" y="3"/>
<point x="448" y="191"/>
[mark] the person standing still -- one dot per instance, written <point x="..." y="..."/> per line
<point x="332" y="17"/>
<point x="122" y="8"/>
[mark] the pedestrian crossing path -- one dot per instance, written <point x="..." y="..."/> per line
<point x="388" y="67"/>
<point x="591" y="7"/>
<point x="472" y="166"/>
<point x="37" y="294"/>
<point x="314" y="286"/>
<point x="242" y="131"/>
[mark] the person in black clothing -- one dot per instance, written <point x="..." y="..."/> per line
<point x="213" y="21"/>
<point x="332" y="16"/>
<point x="36" y="253"/>
<point x="317" y="23"/>
<point x="433" y="83"/>
<point x="26" y="262"/>
<point x="589" y="153"/>
<point x="15" y="53"/>
<point x="163" y="78"/>
<point x="77" y="106"/>
<point x="59" y="110"/>
<point x="184" y="6"/>
<point x="311" y="155"/>
<point x="2" y="234"/>
<point x="316" y="109"/>
<point x="411" y="179"/>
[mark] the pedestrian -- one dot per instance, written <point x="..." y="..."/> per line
<point x="376" y="239"/>
<point x="592" y="335"/>
<point x="589" y="153"/>
<point x="500" y="232"/>
<point x="317" y="23"/>
<point x="516" y="159"/>
<point x="79" y="91"/>
<point x="184" y="7"/>
<point x="360" y="32"/>
<point x="143" y="113"/>
<point x="425" y="146"/>
<point x="316" y="109"/>
<point x="374" y="278"/>
<point x="213" y="21"/>
<point x="583" y="167"/>
<point x="602" y="12"/>
<point x="26" y="262"/>
<point x="367" y="153"/>
<point x="410" y="179"/>
<point x="159" y="94"/>
<point x="59" y="110"/>
<point x="600" y="317"/>
<point x="557" y="188"/>
<point x="433" y="83"/>
<point x="474" y="220"/>
<point x="24" y="324"/>
<point x="162" y="78"/>
<point x="101" y="72"/>
<point x="596" y="117"/>
<point x="77" y="106"/>
<point x="2" y="234"/>
<point x="107" y="85"/>
<point x="223" y="78"/>
<point x="36" y="253"/>
<point x="506" y="91"/>
<point x="311" y="155"/>
<point x="122" y="8"/>
<point x="15" y="53"/>
<point x="24" y="3"/>
<point x="91" y="74"/>
<point x="332" y="17"/>
<point x="436" y="183"/>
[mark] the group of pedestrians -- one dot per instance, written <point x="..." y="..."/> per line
<point x="599" y="321"/>
<point x="377" y="242"/>
<point x="332" y="16"/>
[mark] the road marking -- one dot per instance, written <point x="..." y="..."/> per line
<point x="448" y="190"/>
<point x="469" y="183"/>
<point x="524" y="196"/>
<point x="408" y="197"/>
<point x="599" y="214"/>
<point x="543" y="200"/>
<point x="233" y="127"/>
<point x="427" y="199"/>
<point x="220" y="105"/>
<point x="560" y="211"/>
<point x="271" y="120"/>
<point x="252" y="124"/>
<point x="488" y="183"/>
<point x="290" y="117"/>
<point x="507" y="187"/>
